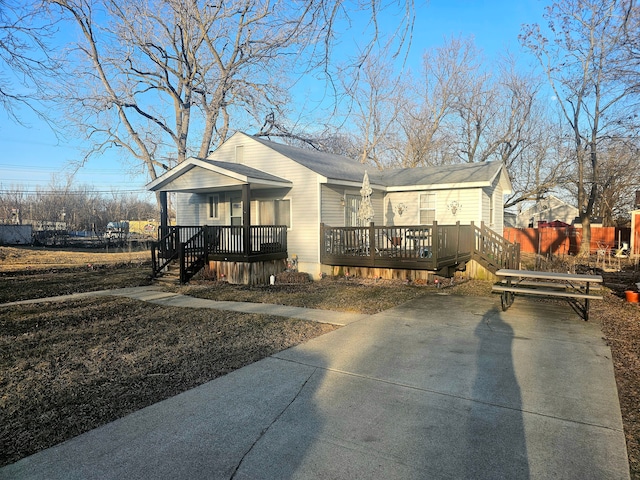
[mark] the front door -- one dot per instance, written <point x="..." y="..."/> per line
<point x="351" y="210"/>
<point x="236" y="210"/>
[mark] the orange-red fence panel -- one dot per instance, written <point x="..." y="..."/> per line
<point x="564" y="240"/>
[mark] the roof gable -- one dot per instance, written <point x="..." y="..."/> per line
<point x="550" y="202"/>
<point x="195" y="174"/>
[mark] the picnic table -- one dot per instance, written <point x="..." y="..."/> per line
<point x="576" y="288"/>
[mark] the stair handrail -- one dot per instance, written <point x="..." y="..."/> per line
<point x="493" y="250"/>
<point x="165" y="245"/>
<point x="192" y="254"/>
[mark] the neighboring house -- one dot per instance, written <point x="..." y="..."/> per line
<point x="303" y="188"/>
<point x="547" y="210"/>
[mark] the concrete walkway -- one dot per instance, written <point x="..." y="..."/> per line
<point x="155" y="295"/>
<point x="443" y="387"/>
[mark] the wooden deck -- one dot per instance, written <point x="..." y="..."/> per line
<point x="437" y="248"/>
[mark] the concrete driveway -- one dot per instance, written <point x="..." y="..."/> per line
<point x="443" y="387"/>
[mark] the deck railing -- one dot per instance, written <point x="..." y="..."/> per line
<point x="493" y="250"/>
<point x="419" y="247"/>
<point x="422" y="247"/>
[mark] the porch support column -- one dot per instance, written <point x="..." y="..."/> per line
<point x="246" y="218"/>
<point x="164" y="212"/>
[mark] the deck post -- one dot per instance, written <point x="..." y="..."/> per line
<point x="435" y="242"/>
<point x="246" y="219"/>
<point x="164" y="212"/>
<point x="457" y="239"/>
<point x="372" y="243"/>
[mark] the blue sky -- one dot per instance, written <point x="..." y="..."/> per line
<point x="32" y="155"/>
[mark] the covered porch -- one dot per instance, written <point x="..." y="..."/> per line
<point x="194" y="247"/>
<point x="222" y="230"/>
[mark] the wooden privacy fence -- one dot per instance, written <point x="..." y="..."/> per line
<point x="564" y="240"/>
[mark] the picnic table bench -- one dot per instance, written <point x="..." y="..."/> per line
<point x="576" y="288"/>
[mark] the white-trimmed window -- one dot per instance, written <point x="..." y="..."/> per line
<point x="275" y="212"/>
<point x="214" y="206"/>
<point x="240" y="154"/>
<point x="427" y="209"/>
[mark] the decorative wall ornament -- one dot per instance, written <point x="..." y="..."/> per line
<point x="454" y="207"/>
<point x="401" y="208"/>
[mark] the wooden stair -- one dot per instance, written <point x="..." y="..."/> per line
<point x="492" y="251"/>
<point x="170" y="275"/>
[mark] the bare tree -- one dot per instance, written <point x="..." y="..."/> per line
<point x="374" y="103"/>
<point x="457" y="111"/>
<point x="166" y="79"/>
<point x="425" y="123"/>
<point x="631" y="42"/>
<point x="582" y="57"/>
<point x="24" y="54"/>
<point x="619" y="179"/>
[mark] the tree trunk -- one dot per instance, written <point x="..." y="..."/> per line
<point x="585" y="243"/>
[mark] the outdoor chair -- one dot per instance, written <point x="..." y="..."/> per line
<point x="394" y="242"/>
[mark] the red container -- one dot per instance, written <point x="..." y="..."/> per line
<point x="632" y="297"/>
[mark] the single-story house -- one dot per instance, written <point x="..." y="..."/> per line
<point x="547" y="210"/>
<point x="304" y="190"/>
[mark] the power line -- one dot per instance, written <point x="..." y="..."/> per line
<point x="61" y="169"/>
<point x="62" y="192"/>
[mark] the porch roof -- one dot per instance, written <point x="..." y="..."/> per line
<point x="201" y="175"/>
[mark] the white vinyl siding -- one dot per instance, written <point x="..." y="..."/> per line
<point x="200" y="178"/>
<point x="332" y="205"/>
<point x="190" y="209"/>
<point x="498" y="210"/>
<point x="492" y="209"/>
<point x="403" y="208"/>
<point x="304" y="233"/>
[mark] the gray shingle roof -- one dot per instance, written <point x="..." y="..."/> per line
<point x="328" y="165"/>
<point x="342" y="168"/>
<point x="482" y="172"/>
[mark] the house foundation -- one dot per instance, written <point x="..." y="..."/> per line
<point x="247" y="273"/>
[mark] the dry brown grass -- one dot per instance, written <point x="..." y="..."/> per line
<point x="14" y="259"/>
<point x="68" y="367"/>
<point x="340" y="295"/>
